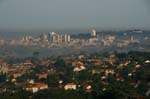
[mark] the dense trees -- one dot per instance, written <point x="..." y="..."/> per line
<point x="2" y="77"/>
<point x="131" y="87"/>
<point x="21" y="94"/>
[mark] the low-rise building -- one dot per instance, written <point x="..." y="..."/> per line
<point x="79" y="68"/>
<point x="70" y="86"/>
<point x="37" y="87"/>
<point x="42" y="76"/>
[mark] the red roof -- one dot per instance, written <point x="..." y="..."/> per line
<point x="41" y="85"/>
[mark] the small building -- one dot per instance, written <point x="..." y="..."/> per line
<point x="88" y="88"/>
<point x="3" y="67"/>
<point x="98" y="71"/>
<point x="42" y="76"/>
<point x="70" y="86"/>
<point x="79" y="68"/>
<point x="147" y="61"/>
<point x="16" y="75"/>
<point x="109" y="71"/>
<point x="37" y="87"/>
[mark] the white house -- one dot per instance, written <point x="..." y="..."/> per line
<point x="79" y="68"/>
<point x="70" y="86"/>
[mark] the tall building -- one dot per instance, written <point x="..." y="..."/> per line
<point x="50" y="36"/>
<point x="67" y="38"/>
<point x="93" y="33"/>
<point x="57" y="38"/>
<point x="44" y="37"/>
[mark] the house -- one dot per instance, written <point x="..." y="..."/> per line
<point x="37" y="87"/>
<point x="3" y="67"/>
<point x="137" y="66"/>
<point x="109" y="71"/>
<point x="130" y="74"/>
<point x="147" y="61"/>
<point x="42" y="76"/>
<point x="119" y="79"/>
<point x="31" y="81"/>
<point x="77" y="63"/>
<point x="97" y="71"/>
<point x="103" y="77"/>
<point x="70" y="86"/>
<point x="88" y="88"/>
<point x="16" y="75"/>
<point x="79" y="68"/>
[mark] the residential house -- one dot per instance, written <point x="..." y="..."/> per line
<point x="37" y="87"/>
<point x="70" y="86"/>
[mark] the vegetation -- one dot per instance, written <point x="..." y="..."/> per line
<point x="132" y="86"/>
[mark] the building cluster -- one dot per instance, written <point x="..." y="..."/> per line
<point x="45" y="40"/>
<point x="15" y="70"/>
<point x="52" y="39"/>
<point x="34" y="79"/>
<point x="59" y="40"/>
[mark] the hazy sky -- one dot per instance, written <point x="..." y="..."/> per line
<point x="78" y="14"/>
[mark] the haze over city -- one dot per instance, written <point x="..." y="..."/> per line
<point x="75" y="49"/>
<point x="74" y="14"/>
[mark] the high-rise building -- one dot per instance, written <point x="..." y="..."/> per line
<point x="93" y="33"/>
<point x="67" y="38"/>
<point x="44" y="37"/>
<point x="57" y="38"/>
<point x="51" y="36"/>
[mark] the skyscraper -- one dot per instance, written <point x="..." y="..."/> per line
<point x="93" y="33"/>
<point x="66" y="38"/>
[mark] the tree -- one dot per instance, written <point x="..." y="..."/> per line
<point x="82" y="76"/>
<point x="53" y="79"/>
<point x="2" y="77"/>
<point x="36" y="54"/>
<point x="60" y="64"/>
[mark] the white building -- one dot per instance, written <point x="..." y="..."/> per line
<point x="79" y="68"/>
<point x="70" y="86"/>
<point x="93" y="41"/>
<point x="93" y="33"/>
<point x="67" y="38"/>
<point x="147" y="61"/>
<point x="108" y="40"/>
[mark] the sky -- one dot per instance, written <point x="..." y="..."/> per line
<point x="74" y="14"/>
